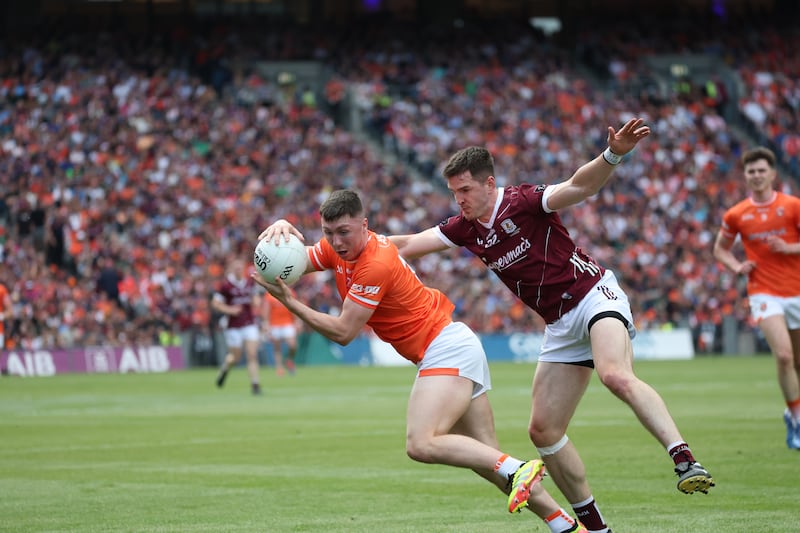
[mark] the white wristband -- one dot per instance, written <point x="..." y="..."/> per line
<point x="611" y="158"/>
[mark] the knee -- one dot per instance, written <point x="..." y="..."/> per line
<point x="419" y="449"/>
<point x="619" y="383"/>
<point x="785" y="359"/>
<point x="543" y="434"/>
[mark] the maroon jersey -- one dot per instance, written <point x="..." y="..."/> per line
<point x="529" y="249"/>
<point x="238" y="292"/>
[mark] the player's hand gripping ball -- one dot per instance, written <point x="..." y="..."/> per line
<point x="285" y="260"/>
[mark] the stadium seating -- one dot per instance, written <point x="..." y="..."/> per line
<point x="168" y="157"/>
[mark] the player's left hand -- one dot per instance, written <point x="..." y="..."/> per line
<point x="621" y="142"/>
<point x="279" y="289"/>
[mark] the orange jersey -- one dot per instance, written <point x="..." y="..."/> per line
<point x="3" y="310"/>
<point x="279" y="315"/>
<point x="407" y="314"/>
<point x="776" y="274"/>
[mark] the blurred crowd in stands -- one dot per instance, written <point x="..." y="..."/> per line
<point x="130" y="169"/>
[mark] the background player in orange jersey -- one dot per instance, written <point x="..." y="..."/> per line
<point x="768" y="223"/>
<point x="449" y="418"/>
<point x="281" y="330"/>
<point x="5" y="311"/>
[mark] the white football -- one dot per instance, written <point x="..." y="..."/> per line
<point x="285" y="260"/>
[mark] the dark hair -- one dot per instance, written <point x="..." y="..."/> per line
<point x="759" y="153"/>
<point x="341" y="203"/>
<point x="476" y="159"/>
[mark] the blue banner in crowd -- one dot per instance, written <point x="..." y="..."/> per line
<point x="518" y="347"/>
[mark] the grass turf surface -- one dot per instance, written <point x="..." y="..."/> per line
<point x="324" y="451"/>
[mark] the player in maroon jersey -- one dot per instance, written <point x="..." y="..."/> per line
<point x="518" y="234"/>
<point x="237" y="298"/>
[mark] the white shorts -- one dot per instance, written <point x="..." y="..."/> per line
<point x="567" y="339"/>
<point x="764" y="305"/>
<point x="278" y="333"/>
<point x="235" y="337"/>
<point x="458" y="349"/>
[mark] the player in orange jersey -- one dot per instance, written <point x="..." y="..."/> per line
<point x="768" y="223"/>
<point x="279" y="325"/>
<point x="449" y="418"/>
<point x="5" y="311"/>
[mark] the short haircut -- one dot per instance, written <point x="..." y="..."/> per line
<point x="341" y="203"/>
<point x="476" y="159"/>
<point x="760" y="152"/>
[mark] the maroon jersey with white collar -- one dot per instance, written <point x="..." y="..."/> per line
<point x="238" y="291"/>
<point x="529" y="249"/>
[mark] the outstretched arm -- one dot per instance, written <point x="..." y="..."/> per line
<point x="591" y="177"/>
<point x="341" y="329"/>
<point x="418" y="244"/>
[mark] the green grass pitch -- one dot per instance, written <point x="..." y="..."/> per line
<point x="324" y="451"/>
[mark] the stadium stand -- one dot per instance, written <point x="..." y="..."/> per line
<point x="144" y="162"/>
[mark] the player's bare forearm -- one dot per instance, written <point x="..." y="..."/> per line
<point x="341" y="329"/>
<point x="322" y="323"/>
<point x="729" y="261"/>
<point x="401" y="241"/>
<point x="330" y="327"/>
<point x="778" y="245"/>
<point x="226" y="309"/>
<point x="724" y="255"/>
<point x="418" y="244"/>
<point x="586" y="182"/>
<point x="793" y="249"/>
<point x="398" y="240"/>
<point x="591" y="177"/>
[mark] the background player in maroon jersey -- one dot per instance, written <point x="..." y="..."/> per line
<point x="237" y="297"/>
<point x="517" y="233"/>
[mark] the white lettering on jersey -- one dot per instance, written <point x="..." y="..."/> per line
<point x="365" y="289"/>
<point x="584" y="266"/>
<point x="491" y="239"/>
<point x="512" y="256"/>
